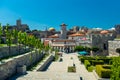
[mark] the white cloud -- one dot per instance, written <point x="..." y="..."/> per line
<point x="97" y="28"/>
<point x="112" y="28"/>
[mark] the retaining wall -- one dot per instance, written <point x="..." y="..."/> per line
<point x="14" y="50"/>
<point x="45" y="63"/>
<point x="9" y="68"/>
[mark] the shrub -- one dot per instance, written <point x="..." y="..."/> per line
<point x="87" y="64"/>
<point x="103" y="71"/>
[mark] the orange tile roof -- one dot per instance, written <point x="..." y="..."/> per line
<point x="104" y="32"/>
<point x="53" y="36"/>
<point x="76" y="34"/>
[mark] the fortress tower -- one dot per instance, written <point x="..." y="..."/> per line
<point x="63" y="31"/>
<point x="18" y="23"/>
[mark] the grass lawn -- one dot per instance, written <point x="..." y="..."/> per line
<point x="3" y="45"/>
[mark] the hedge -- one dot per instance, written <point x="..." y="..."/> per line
<point x="96" y="62"/>
<point x="104" y="59"/>
<point x="87" y="64"/>
<point x="110" y="62"/>
<point x="82" y="58"/>
<point x="103" y="71"/>
<point x="107" y="66"/>
<point x="91" y="68"/>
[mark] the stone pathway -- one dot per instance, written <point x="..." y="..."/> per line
<point x="58" y="71"/>
<point x="81" y="70"/>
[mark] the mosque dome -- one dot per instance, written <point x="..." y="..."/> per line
<point x="51" y="29"/>
<point x="104" y="32"/>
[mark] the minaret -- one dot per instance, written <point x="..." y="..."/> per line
<point x="63" y="31"/>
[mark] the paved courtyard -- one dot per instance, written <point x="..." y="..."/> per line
<point x="58" y="71"/>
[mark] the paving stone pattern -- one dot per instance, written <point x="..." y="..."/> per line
<point x="58" y="71"/>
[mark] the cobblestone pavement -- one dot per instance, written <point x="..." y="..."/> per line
<point x="58" y="71"/>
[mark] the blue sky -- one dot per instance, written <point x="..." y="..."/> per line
<point x="39" y="14"/>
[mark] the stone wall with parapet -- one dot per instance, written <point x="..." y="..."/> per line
<point x="9" y="67"/>
<point x="14" y="50"/>
<point x="45" y="63"/>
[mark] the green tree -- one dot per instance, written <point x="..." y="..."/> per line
<point x="79" y="48"/>
<point x="19" y="40"/>
<point x="15" y="36"/>
<point x="47" y="48"/>
<point x="0" y="32"/>
<point x="41" y="46"/>
<point x="9" y="37"/>
<point x="24" y="39"/>
<point x="31" y="42"/>
<point x="115" y="69"/>
<point x="37" y="43"/>
<point x="118" y="51"/>
<point x="88" y="49"/>
<point x="95" y="49"/>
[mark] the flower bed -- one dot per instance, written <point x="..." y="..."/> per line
<point x="71" y="69"/>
